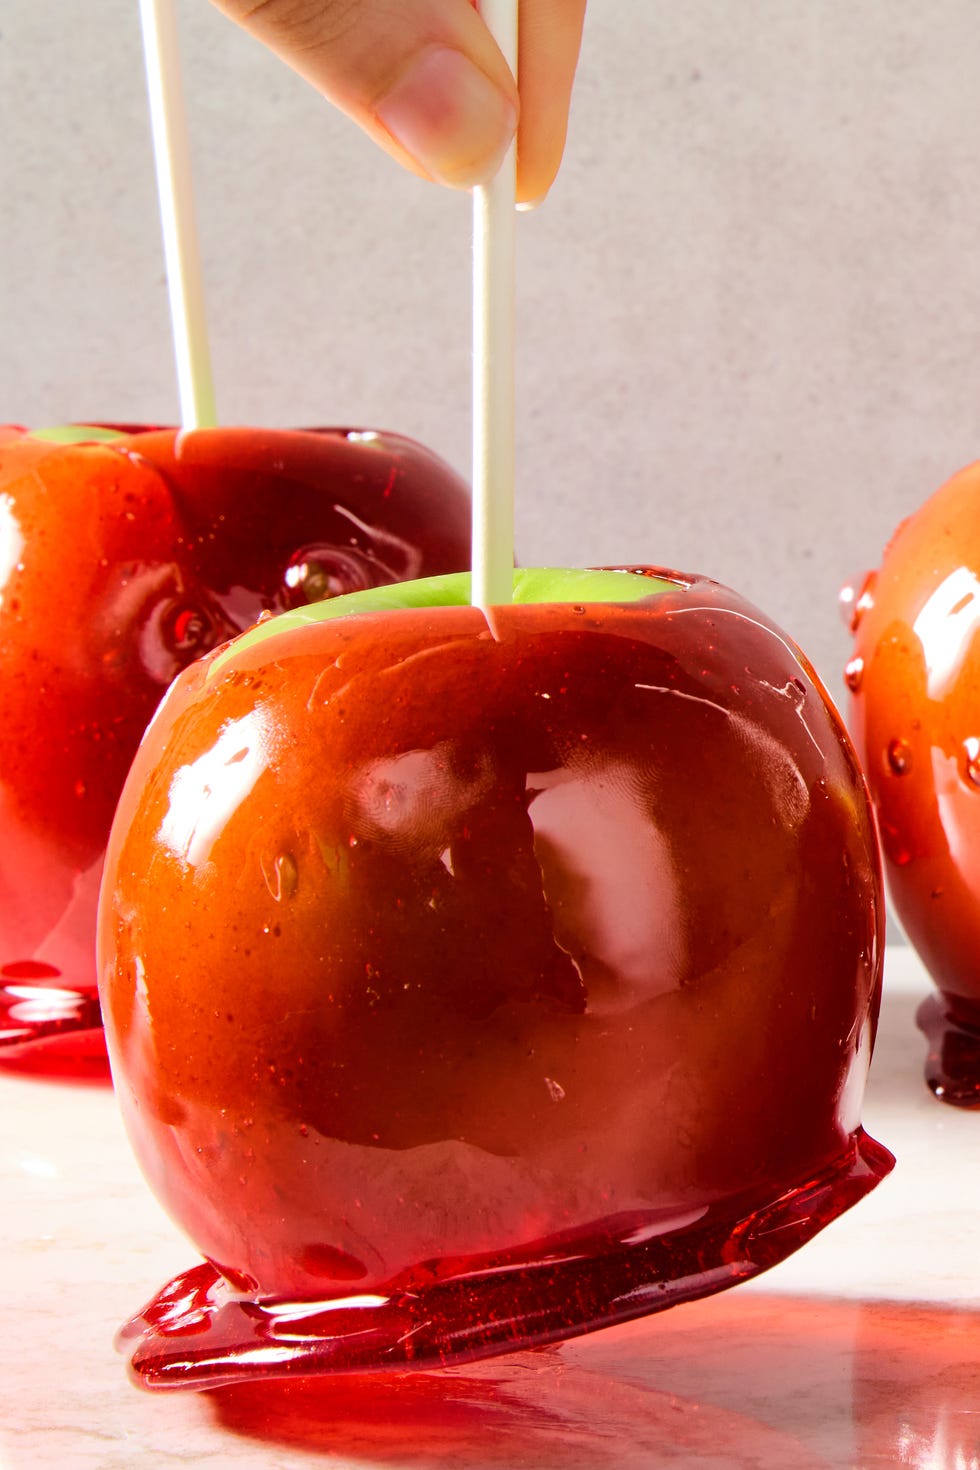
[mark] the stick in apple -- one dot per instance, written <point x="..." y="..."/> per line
<point x="493" y="355"/>
<point x="173" y="170"/>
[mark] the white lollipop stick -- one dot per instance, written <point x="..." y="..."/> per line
<point x="493" y="355"/>
<point x="171" y="152"/>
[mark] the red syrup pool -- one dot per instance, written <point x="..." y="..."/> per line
<point x="202" y="1332"/>
<point x="48" y="1028"/>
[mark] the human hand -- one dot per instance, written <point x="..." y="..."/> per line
<point x="426" y="80"/>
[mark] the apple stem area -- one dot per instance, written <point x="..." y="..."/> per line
<point x="493" y="354"/>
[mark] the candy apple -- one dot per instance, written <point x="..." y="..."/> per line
<point x="915" y="714"/>
<point x="125" y="554"/>
<point x="475" y="979"/>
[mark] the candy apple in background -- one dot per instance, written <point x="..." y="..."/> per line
<point x="126" y="554"/>
<point x="506" y="974"/>
<point x="915" y="714"/>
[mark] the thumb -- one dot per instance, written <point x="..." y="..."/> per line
<point x="424" y="78"/>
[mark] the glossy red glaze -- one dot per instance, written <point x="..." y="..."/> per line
<point x="120" y="563"/>
<point x="915" y="713"/>
<point x="484" y="954"/>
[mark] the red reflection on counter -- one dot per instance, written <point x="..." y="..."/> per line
<point x="743" y="1380"/>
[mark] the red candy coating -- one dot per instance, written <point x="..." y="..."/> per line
<point x="122" y="561"/>
<point x="436" y="948"/>
<point x="915" y="713"/>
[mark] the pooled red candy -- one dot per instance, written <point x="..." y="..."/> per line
<point x="474" y="980"/>
<point x="125" y="555"/>
<point x="914" y="679"/>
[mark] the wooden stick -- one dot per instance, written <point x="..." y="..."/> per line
<point x="180" y="240"/>
<point x="493" y="355"/>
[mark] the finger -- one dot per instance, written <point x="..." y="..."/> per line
<point x="550" y="39"/>
<point x="423" y="77"/>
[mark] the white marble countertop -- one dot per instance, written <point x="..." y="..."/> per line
<point x="862" y="1350"/>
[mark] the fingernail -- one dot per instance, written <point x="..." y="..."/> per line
<point x="450" y="117"/>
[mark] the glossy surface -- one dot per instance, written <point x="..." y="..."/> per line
<point x="120" y="562"/>
<point x="858" y="1351"/>
<point x="198" y="1330"/>
<point x="915" y="714"/>
<point x="477" y="946"/>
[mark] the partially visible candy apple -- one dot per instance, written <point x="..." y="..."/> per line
<point x="914" y="679"/>
<point x="125" y="554"/>
<point x="472" y="980"/>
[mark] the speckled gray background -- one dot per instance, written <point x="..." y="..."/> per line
<point x="749" y="312"/>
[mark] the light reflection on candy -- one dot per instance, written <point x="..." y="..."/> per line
<point x="528" y="983"/>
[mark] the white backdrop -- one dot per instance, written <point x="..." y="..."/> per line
<point x="749" y="311"/>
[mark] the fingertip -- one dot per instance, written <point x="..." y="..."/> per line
<point x="537" y="169"/>
<point x="551" y="37"/>
<point x="449" y="116"/>
<point x="426" y="81"/>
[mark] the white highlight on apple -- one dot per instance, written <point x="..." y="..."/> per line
<point x="205" y="795"/>
<point x="593" y="835"/>
<point x="949" y="615"/>
<point x="11" y="541"/>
